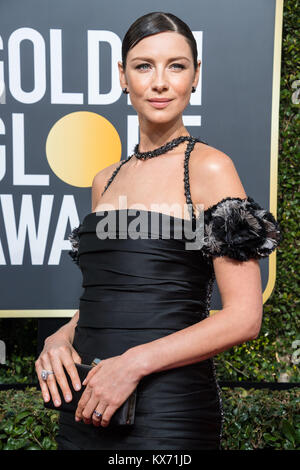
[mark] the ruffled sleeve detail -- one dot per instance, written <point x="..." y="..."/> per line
<point x="74" y="239"/>
<point x="240" y="229"/>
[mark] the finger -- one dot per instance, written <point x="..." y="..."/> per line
<point x="60" y="377"/>
<point x="43" y="384"/>
<point x="70" y="367"/>
<point x="51" y="382"/>
<point x="90" y="406"/>
<point x="108" y="412"/>
<point x="95" y="416"/>
<point x="89" y="376"/>
<point x="75" y="356"/>
<point x="82" y="402"/>
<point x="91" y="373"/>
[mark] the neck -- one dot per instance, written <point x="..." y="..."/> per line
<point x="152" y="137"/>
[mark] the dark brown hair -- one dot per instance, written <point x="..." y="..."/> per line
<point x="153" y="23"/>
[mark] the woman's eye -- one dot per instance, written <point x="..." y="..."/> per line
<point x="179" y="65"/>
<point x="140" y="66"/>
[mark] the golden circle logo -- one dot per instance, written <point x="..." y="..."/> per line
<point x="79" y="145"/>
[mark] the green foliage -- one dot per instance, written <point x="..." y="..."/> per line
<point x="25" y="423"/>
<point x="18" y="370"/>
<point x="270" y="355"/>
<point x="254" y="419"/>
<point x="261" y="419"/>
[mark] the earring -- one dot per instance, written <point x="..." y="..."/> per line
<point x="125" y="90"/>
<point x="193" y="89"/>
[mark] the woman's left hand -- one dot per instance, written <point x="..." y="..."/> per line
<point x="108" y="385"/>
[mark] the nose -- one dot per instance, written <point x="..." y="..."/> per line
<point x="159" y="82"/>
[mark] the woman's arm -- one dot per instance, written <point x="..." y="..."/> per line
<point x="67" y="331"/>
<point x="58" y="348"/>
<point x="238" y="321"/>
<point x="213" y="177"/>
<point x="58" y="352"/>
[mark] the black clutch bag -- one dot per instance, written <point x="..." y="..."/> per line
<point x="123" y="416"/>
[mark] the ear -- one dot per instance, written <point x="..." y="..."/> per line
<point x="197" y="74"/>
<point x="122" y="75"/>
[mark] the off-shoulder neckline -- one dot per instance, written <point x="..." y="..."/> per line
<point x="209" y="209"/>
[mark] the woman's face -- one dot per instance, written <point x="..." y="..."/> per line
<point x="160" y="66"/>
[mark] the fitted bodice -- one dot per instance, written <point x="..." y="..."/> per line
<point x="141" y="282"/>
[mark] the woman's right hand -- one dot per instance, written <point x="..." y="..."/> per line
<point x="58" y="352"/>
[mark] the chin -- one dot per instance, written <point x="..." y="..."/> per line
<point x="160" y="118"/>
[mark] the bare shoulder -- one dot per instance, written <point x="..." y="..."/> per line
<point x="99" y="182"/>
<point x="213" y="176"/>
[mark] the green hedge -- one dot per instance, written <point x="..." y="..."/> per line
<point x="269" y="357"/>
<point x="25" y="423"/>
<point x="254" y="419"/>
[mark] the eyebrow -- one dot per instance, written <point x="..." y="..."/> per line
<point x="150" y="60"/>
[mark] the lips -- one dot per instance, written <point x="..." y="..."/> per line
<point x="159" y="100"/>
<point x="159" y="103"/>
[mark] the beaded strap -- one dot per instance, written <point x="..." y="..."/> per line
<point x="114" y="173"/>
<point x="186" y="179"/>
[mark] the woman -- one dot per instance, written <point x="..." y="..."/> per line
<point x="145" y="307"/>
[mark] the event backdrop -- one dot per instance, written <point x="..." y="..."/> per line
<point x="63" y="117"/>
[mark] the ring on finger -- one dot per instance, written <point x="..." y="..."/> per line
<point x="97" y="414"/>
<point x="45" y="374"/>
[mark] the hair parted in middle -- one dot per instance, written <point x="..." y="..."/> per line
<point x="153" y="23"/>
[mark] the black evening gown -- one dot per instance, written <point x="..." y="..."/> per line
<point x="137" y="290"/>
